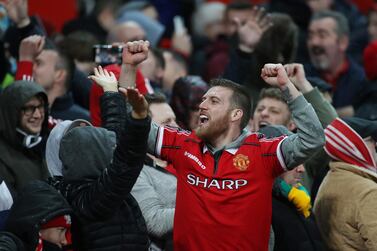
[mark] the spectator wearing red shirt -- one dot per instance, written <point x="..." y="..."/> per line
<point x="224" y="173"/>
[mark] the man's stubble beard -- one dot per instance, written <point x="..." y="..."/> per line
<point x="213" y="129"/>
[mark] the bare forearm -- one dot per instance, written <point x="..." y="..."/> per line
<point x="127" y="76"/>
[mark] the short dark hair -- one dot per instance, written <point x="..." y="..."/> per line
<point x="342" y="27"/>
<point x="64" y="62"/>
<point x="240" y="98"/>
<point x="273" y="93"/>
<point x="155" y="98"/>
<point x="239" y="5"/>
<point x="79" y="45"/>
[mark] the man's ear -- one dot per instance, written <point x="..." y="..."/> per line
<point x="60" y="76"/>
<point x="236" y="114"/>
<point x="343" y="43"/>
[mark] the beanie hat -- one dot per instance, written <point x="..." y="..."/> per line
<point x="370" y="60"/>
<point x="344" y="142"/>
<point x="59" y="221"/>
<point x="363" y="127"/>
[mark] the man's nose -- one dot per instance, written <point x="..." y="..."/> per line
<point x="300" y="169"/>
<point x="264" y="113"/>
<point x="314" y="40"/>
<point x="203" y="105"/>
<point x="37" y="113"/>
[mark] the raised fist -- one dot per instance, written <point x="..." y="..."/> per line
<point x="31" y="47"/>
<point x="135" y="52"/>
<point x="275" y="75"/>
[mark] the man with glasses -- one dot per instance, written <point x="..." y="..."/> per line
<point x="23" y="132"/>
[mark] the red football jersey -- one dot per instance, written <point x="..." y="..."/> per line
<point x="223" y="204"/>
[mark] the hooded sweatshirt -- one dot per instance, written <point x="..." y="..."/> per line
<point x="97" y="182"/>
<point x="18" y="164"/>
<point x="35" y="205"/>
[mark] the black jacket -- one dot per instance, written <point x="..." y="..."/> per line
<point x="37" y="203"/>
<point x="14" y="35"/>
<point x="10" y="242"/>
<point x="64" y="108"/>
<point x="293" y="232"/>
<point x="18" y="164"/>
<point x="97" y="181"/>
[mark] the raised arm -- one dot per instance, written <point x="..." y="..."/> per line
<point x="325" y="111"/>
<point x="23" y="27"/>
<point x="113" y="105"/>
<point x="249" y="34"/>
<point x="133" y="54"/>
<point x="310" y="136"/>
<point x="99" y="198"/>
<point x="29" y="50"/>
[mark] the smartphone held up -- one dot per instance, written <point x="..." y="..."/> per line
<point x="104" y="54"/>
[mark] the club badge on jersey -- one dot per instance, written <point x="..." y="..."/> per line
<point x="241" y="162"/>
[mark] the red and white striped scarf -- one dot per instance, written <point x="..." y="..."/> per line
<point x="345" y="144"/>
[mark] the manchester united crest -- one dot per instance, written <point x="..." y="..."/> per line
<point x="241" y="162"/>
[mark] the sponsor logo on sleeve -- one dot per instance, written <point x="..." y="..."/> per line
<point x="195" y="159"/>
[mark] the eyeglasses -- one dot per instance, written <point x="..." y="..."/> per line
<point x="30" y="109"/>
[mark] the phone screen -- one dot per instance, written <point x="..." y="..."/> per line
<point x="107" y="54"/>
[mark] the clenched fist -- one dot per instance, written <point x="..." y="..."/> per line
<point x="275" y="75"/>
<point x="135" y="52"/>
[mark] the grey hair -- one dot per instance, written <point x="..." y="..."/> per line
<point x="342" y="27"/>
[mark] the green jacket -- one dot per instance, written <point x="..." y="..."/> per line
<point x="326" y="114"/>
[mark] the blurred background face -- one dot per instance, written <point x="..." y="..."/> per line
<point x="230" y="15"/>
<point x="214" y="30"/>
<point x="55" y="235"/>
<point x="372" y="26"/>
<point x="270" y="111"/>
<point x="294" y="176"/>
<point x="126" y="32"/>
<point x="162" y="114"/>
<point x="325" y="46"/>
<point x="44" y="69"/>
<point x="319" y="5"/>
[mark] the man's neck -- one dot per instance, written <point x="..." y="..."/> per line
<point x="333" y="71"/>
<point x="53" y="94"/>
<point x="225" y="139"/>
